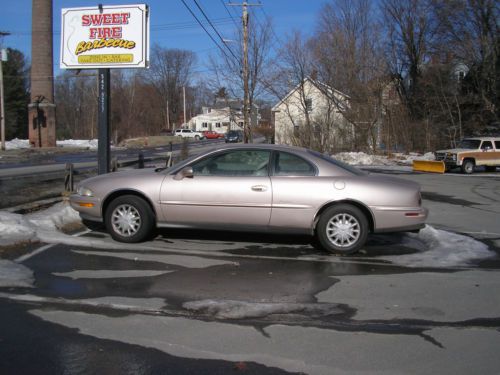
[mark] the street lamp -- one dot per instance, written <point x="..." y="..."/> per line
<point x="2" y="112"/>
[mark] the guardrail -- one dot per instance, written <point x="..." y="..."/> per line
<point x="141" y="161"/>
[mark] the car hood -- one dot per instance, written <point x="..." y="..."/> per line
<point x="128" y="173"/>
<point x="454" y="150"/>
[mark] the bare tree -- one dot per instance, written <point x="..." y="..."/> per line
<point x="469" y="33"/>
<point x="349" y="59"/>
<point x="170" y="70"/>
<point x="410" y="31"/>
<point x="227" y="66"/>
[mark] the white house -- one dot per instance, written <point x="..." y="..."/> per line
<point x="314" y="107"/>
<point x="226" y="114"/>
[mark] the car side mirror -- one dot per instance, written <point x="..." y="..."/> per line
<point x="186" y="172"/>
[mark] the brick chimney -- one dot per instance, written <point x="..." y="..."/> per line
<point x="42" y="110"/>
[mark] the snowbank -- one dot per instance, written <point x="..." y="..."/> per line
<point x="17" y="228"/>
<point x="361" y="158"/>
<point x="17" y="144"/>
<point x="24" y="143"/>
<point x="440" y="248"/>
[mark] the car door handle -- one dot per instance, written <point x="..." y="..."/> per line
<point x="259" y="188"/>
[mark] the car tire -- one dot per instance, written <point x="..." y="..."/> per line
<point x="129" y="219"/>
<point x="468" y="166"/>
<point x="197" y="137"/>
<point x="342" y="229"/>
<point x="93" y="225"/>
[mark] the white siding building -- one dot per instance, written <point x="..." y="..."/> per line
<point x="224" y="116"/>
<point x="319" y="106"/>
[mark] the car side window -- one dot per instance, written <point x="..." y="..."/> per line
<point x="497" y="145"/>
<point x="486" y="145"/>
<point x="291" y="165"/>
<point x="234" y="164"/>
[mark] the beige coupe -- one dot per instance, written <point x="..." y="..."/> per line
<point x="258" y="188"/>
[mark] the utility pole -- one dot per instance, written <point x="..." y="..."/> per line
<point x="247" y="136"/>
<point x="184" y="102"/>
<point x="3" y="57"/>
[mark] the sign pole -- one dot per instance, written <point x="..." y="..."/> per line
<point x="103" y="148"/>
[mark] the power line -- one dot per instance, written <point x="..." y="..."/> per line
<point x="206" y="31"/>
<point x="158" y="27"/>
<point x="216" y="31"/>
<point x="230" y="15"/>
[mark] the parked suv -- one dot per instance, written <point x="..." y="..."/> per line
<point x="188" y="133"/>
<point x="481" y="151"/>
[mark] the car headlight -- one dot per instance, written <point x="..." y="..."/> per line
<point x="85" y="192"/>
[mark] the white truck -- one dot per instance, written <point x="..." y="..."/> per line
<point x="188" y="133"/>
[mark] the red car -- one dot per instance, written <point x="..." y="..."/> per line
<point x="210" y="134"/>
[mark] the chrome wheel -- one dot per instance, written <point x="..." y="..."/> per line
<point x="343" y="230"/>
<point x="126" y="220"/>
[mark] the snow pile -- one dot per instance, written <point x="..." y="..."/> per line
<point x="16" y="228"/>
<point x="24" y="143"/>
<point x="15" y="275"/>
<point x="17" y="144"/>
<point x="88" y="144"/>
<point x="361" y="158"/>
<point x="408" y="158"/>
<point x="228" y="309"/>
<point x="439" y="248"/>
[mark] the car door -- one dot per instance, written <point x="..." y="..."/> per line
<point x="295" y="191"/>
<point x="231" y="188"/>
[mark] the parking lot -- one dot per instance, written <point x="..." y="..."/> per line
<point x="216" y="302"/>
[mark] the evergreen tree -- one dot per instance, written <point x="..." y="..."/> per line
<point x="16" y="95"/>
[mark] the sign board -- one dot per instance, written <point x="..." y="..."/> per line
<point x="115" y="36"/>
<point x="3" y="54"/>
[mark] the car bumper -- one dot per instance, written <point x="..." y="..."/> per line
<point x="88" y="207"/>
<point x="399" y="219"/>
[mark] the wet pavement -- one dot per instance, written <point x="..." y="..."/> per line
<point x="219" y="302"/>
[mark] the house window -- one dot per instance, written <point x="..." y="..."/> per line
<point x="217" y="124"/>
<point x="309" y="105"/>
<point x="240" y="123"/>
<point x="204" y="125"/>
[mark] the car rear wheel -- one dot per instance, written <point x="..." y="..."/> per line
<point x="342" y="229"/>
<point x="468" y="166"/>
<point x="197" y="137"/>
<point x="129" y="219"/>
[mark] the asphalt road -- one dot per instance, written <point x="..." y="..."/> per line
<point x="219" y="303"/>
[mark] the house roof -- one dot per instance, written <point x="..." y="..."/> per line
<point x="322" y="87"/>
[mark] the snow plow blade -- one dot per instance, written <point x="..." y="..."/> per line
<point x="428" y="166"/>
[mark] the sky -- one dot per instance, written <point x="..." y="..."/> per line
<point x="171" y="24"/>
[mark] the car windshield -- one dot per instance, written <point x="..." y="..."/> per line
<point x="338" y="163"/>
<point x="469" y="144"/>
<point x="232" y="132"/>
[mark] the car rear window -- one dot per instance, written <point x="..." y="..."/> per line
<point x="291" y="165"/>
<point x="338" y="163"/>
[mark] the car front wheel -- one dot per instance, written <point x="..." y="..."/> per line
<point x="468" y="167"/>
<point x="129" y="219"/>
<point x="342" y="229"/>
